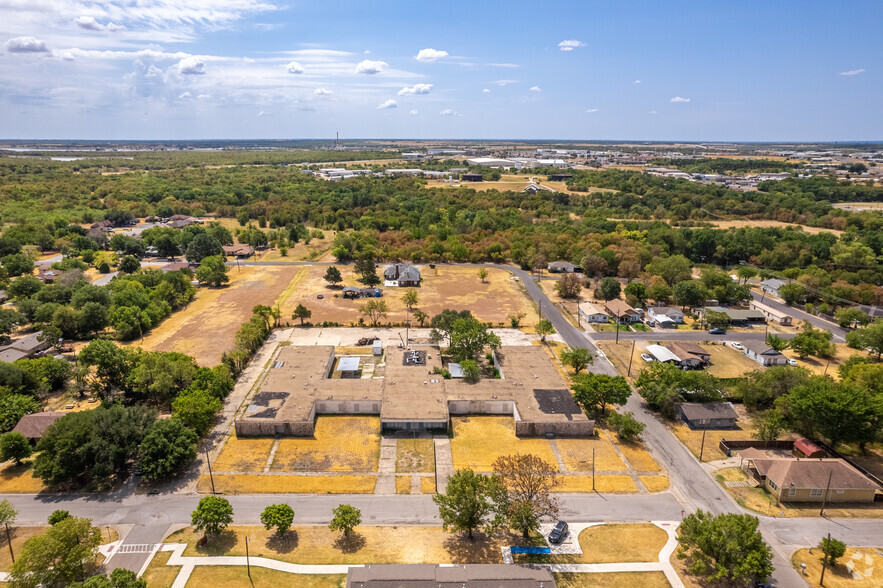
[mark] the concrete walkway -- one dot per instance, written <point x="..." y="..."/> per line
<point x="444" y="462"/>
<point x="386" y="468"/>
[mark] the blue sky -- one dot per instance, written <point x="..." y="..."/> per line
<point x="246" y="69"/>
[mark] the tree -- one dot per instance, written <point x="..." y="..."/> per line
<point x="375" y="310"/>
<point x="543" y="328"/>
<point x="832" y="550"/>
<point x="608" y="289"/>
<point x="119" y="578"/>
<point x="812" y="341"/>
<point x="14" y="446"/>
<point x="57" y="516"/>
<point x="469" y="337"/>
<point x="849" y="316"/>
<point x="595" y="391"/>
<point x="364" y="266"/>
<point x="409" y="298"/>
<point x="776" y="342"/>
<point x="278" y="516"/>
<point x="715" y="318"/>
<point x="203" y="246"/>
<point x="578" y="358"/>
<point x="346" y="518"/>
<point x="212" y="515"/>
<point x="672" y="269"/>
<point x="638" y="291"/>
<point x="15" y="406"/>
<point x="8" y="320"/>
<point x="129" y="264"/>
<point x="626" y="426"/>
<point x="760" y="389"/>
<point x="332" y="276"/>
<point x="471" y="370"/>
<point x="443" y="324"/>
<point x="840" y="412"/>
<point x="515" y="320"/>
<point x="301" y="312"/>
<point x="7" y="512"/>
<point x="196" y="409"/>
<point x="213" y="271"/>
<point x="745" y="273"/>
<point x="468" y="503"/>
<point x="792" y="293"/>
<point x="92" y="317"/>
<point x="168" y="447"/>
<point x="60" y="556"/>
<point x="664" y="386"/>
<point x="726" y="547"/>
<point x="528" y="482"/>
<point x="571" y="285"/>
<point x="420" y="317"/>
<point x="167" y="247"/>
<point x="769" y="424"/>
<point x="242" y="216"/>
<point x="482" y="274"/>
<point x="688" y="293"/>
<point x="869" y="337"/>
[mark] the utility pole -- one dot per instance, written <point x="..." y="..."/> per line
<point x="702" y="447"/>
<point x="631" y="357"/>
<point x="824" y="562"/>
<point x="617" y="330"/>
<point x="9" y="542"/>
<point x="825" y="497"/>
<point x="247" y="560"/>
<point x="209" y="464"/>
<point x="593" y="471"/>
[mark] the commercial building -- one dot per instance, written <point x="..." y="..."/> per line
<point x="772" y="315"/>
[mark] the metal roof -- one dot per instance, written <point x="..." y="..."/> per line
<point x="348" y="364"/>
<point x="661" y="353"/>
<point x="456" y="370"/>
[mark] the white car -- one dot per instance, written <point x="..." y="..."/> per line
<point x="792" y="361"/>
<point x="736" y="345"/>
<point x="647" y="357"/>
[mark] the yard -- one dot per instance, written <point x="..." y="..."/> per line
<point x="457" y="287"/>
<point x="158" y="574"/>
<point x="858" y="568"/>
<point x="577" y="454"/>
<point x="825" y="366"/>
<point x="692" y="438"/>
<point x="479" y="441"/>
<point x="340" y="444"/>
<point x="415" y="455"/>
<point x="19" y="536"/>
<point x="213" y="576"/>
<point x="207" y="327"/>
<point x="16" y="479"/>
<point x="288" y="484"/>
<point x="613" y="543"/>
<point x="612" y="580"/>
<point x="724" y="362"/>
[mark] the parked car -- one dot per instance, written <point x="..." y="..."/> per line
<point x="736" y="345"/>
<point x="558" y="533"/>
<point x="647" y="357"/>
<point x="717" y="331"/>
<point x="792" y="361"/>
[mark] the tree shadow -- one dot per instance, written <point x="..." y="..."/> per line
<point x="218" y="544"/>
<point x="351" y="543"/>
<point x="285" y="543"/>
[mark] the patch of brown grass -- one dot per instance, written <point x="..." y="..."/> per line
<point x="246" y="454"/>
<point x="479" y="441"/>
<point x="609" y="484"/>
<point x="577" y="454"/>
<point x="427" y="484"/>
<point x="340" y="444"/>
<point x="160" y="575"/>
<point x="19" y="536"/>
<point x="15" y="479"/>
<point x="280" y="484"/>
<point x="415" y="455"/>
<point x="403" y="484"/>
<point x="214" y="576"/>
<point x="610" y="580"/>
<point x="655" y="483"/>
<point x="866" y="563"/>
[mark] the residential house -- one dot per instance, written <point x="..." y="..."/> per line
<point x="771" y="314"/>
<point x="763" y="353"/>
<point x="23" y="348"/>
<point x="176" y="266"/>
<point x="33" y="426"/>
<point x="103" y="225"/>
<point x="240" y="250"/>
<point x="708" y="415"/>
<point x="401" y="274"/>
<point x="622" y="312"/>
<point x="739" y="316"/>
<point x="48" y="276"/>
<point x="808" y="480"/>
<point x="592" y="313"/>
<point x="665" y="316"/>
<point x="690" y="354"/>
<point x="561" y="267"/>
<point x="448" y="575"/>
<point x="772" y="285"/>
<point x="663" y="354"/>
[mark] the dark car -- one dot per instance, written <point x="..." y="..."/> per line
<point x="558" y="533"/>
<point x="717" y="331"/>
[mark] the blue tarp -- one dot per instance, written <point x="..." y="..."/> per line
<point x="531" y="550"/>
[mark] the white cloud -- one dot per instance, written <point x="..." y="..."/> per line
<point x="90" y="24"/>
<point x="413" y="112"/>
<point x="536" y="89"/>
<point x="448" y="112"/>
<point x="323" y="92"/>
<point x="503" y="65"/>
<point x="570" y="44"/>
<point x="652" y="112"/>
<point x="184" y="96"/>
<point x="592" y="110"/>
<point x="679" y="99"/>
<point x="295" y="68"/>
<point x="370" y="67"/>
<point x="26" y="45"/>
<point x="68" y="56"/>
<point x="637" y="82"/>
<point x="388" y="104"/>
<point x="415" y="89"/>
<point x="191" y="66"/>
<point x="262" y="113"/>
<point x="486" y="91"/>
<point x="852" y="72"/>
<point x="430" y="55"/>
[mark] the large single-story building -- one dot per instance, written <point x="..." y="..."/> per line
<point x="739" y="316"/>
<point x="807" y="480"/>
<point x="240" y="251"/>
<point x="401" y="274"/>
<point x="25" y="347"/>
<point x="665" y="316"/>
<point x="561" y="267"/>
<point x="763" y="353"/>
<point x="622" y="312"/>
<point x="592" y="313"/>
<point x="407" y="393"/>
<point x="449" y="576"/>
<point x="708" y="415"/>
<point x="33" y="426"/>
<point x="771" y="314"/>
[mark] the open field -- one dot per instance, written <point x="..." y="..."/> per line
<point x="608" y="484"/>
<point x="213" y="576"/>
<point x="367" y="544"/>
<point x="577" y="454"/>
<point x="858" y="568"/>
<point x="158" y="574"/>
<point x="284" y="484"/>
<point x="762" y="502"/>
<point x="445" y="287"/>
<point x="340" y="444"/>
<point x="820" y="366"/>
<point x="19" y="536"/>
<point x="248" y="454"/>
<point x="607" y="580"/>
<point x="415" y="455"/>
<point x="610" y="543"/>
<point x="206" y="328"/>
<point x="16" y="479"/>
<point x="479" y="441"/>
<point x="655" y="483"/>
<point x="762" y="223"/>
<point x="513" y="182"/>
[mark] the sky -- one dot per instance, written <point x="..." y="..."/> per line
<point x="481" y="69"/>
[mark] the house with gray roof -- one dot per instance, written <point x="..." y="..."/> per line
<point x="763" y="354"/>
<point x="401" y="274"/>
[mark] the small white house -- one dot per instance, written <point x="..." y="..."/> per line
<point x="562" y="267"/>
<point x="665" y="316"/>
<point x="592" y="313"/>
<point x="763" y="354"/>
<point x="772" y="286"/>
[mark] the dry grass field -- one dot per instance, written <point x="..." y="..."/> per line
<point x="762" y="223"/>
<point x="403" y="484"/>
<point x="608" y="484"/>
<point x="415" y="456"/>
<point x="637" y="455"/>
<point x="493" y="300"/>
<point x="479" y="441"/>
<point x="577" y="454"/>
<point x="611" y="580"/>
<point x="207" y="327"/>
<point x="248" y="454"/>
<point x="616" y="543"/>
<point x="367" y="544"/>
<point x="340" y="444"/>
<point x="284" y="484"/>
<point x="427" y="485"/>
<point x="725" y="362"/>
<point x="19" y="479"/>
<point x="233" y="576"/>
<point x="158" y="574"/>
<point x="19" y="536"/>
<point x="821" y="366"/>
<point x="655" y="483"/>
<point x="858" y="568"/>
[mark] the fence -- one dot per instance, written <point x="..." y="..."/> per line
<point x="727" y="447"/>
